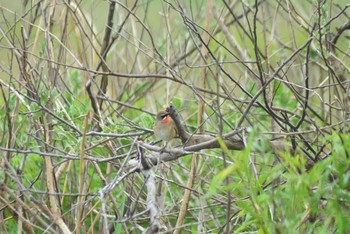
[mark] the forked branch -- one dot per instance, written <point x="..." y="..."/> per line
<point x="197" y="142"/>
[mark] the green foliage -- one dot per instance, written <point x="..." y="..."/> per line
<point x="75" y="82"/>
<point x="287" y="198"/>
<point x="146" y="121"/>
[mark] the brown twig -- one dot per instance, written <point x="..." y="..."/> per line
<point x="46" y="121"/>
<point x="104" y="50"/>
<point x="197" y="142"/>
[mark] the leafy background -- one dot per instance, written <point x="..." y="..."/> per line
<point x="65" y="162"/>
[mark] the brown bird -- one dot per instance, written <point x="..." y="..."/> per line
<point x="164" y="127"/>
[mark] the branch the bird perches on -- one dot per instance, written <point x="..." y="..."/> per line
<point x="196" y="142"/>
<point x="192" y="142"/>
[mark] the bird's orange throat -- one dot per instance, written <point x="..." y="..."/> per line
<point x="167" y="119"/>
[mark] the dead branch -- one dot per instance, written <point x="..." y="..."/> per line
<point x="152" y="203"/>
<point x="197" y="142"/>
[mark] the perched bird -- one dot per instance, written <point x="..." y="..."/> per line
<point x="164" y="127"/>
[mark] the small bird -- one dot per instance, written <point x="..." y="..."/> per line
<point x="164" y="127"/>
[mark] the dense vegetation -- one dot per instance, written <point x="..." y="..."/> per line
<point x="81" y="82"/>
